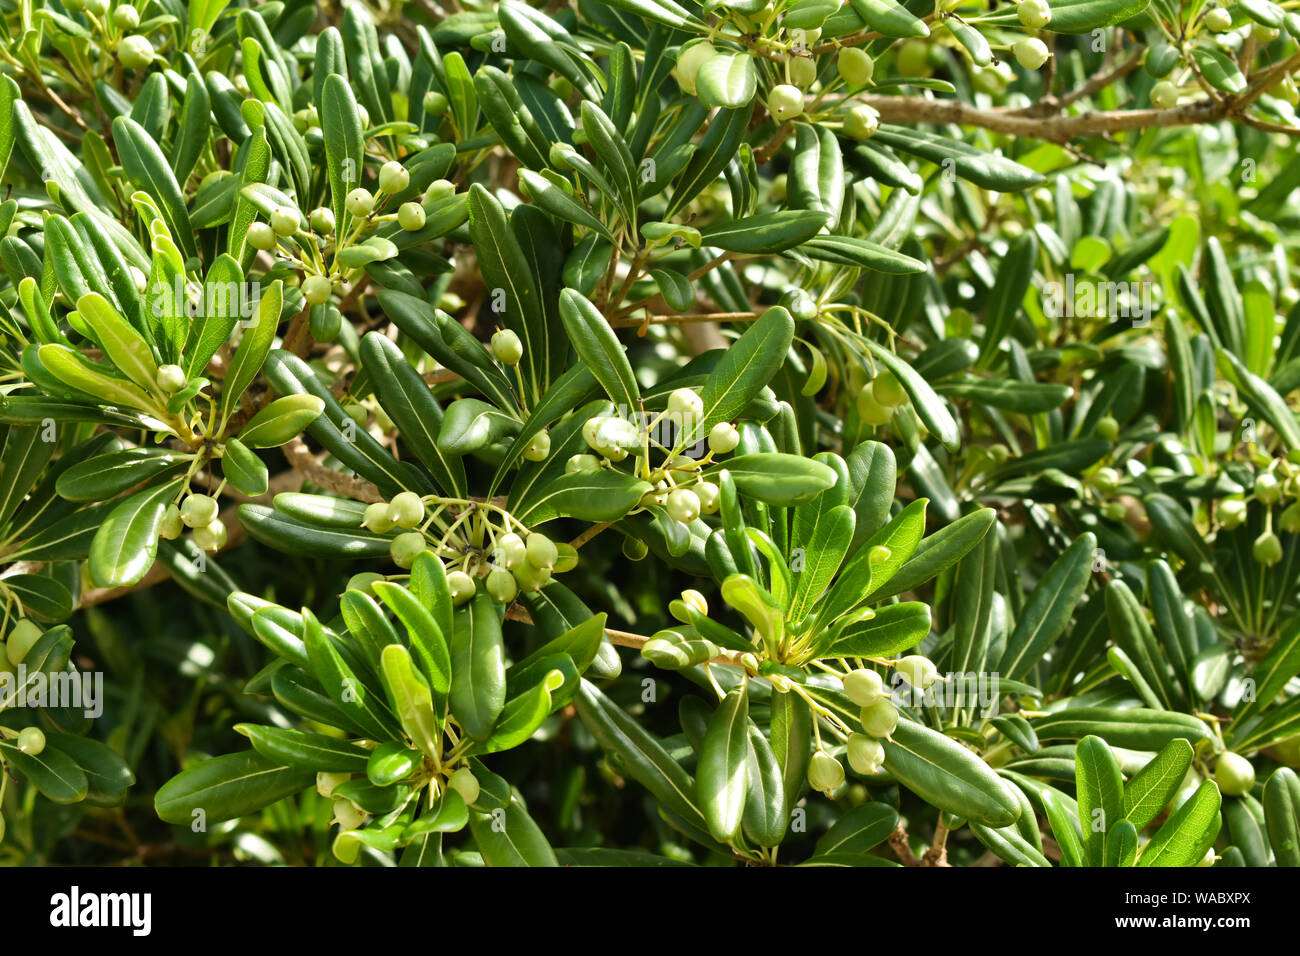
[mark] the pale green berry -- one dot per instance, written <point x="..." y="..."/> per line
<point x="1164" y="95"/>
<point x="317" y="289"/>
<point x="322" y="220"/>
<point x="1289" y="520"/>
<point x="501" y="585"/>
<point x="360" y="202"/>
<point x="135" y="52"/>
<point x="855" y="66"/>
<point x="171" y="378"/>
<point x="861" y="122"/>
<point x="1034" y="14"/>
<point x="689" y="60"/>
<point x="566" y="557"/>
<point x="212" y="536"/>
<point x="1267" y="549"/>
<point x="507" y="347"/>
<point x="683" y="505"/>
<point x="870" y="410"/>
<point x="1267" y="488"/>
<point x="1219" y="20"/>
<point x="198" y="510"/>
<point x="465" y="783"/>
<point x="406" y="510"/>
<point x="284" y="221"/>
<point x="539" y="448"/>
<point x="440" y="189"/>
<point x="1232" y="512"/>
<point x="685" y="402"/>
<point x="349" y="816"/>
<point x="785" y="102"/>
<point x="405" y="548"/>
<point x="887" y="390"/>
<point x="1107" y="481"/>
<point x="326" y="782"/>
<point x="864" y="687"/>
<point x="724" y="437"/>
<point x="461" y="586"/>
<point x="708" y="494"/>
<point x="31" y="741"/>
<point x="531" y="577"/>
<point x="21" y="640"/>
<point x="879" y="718"/>
<point x="866" y="755"/>
<point x="803" y="71"/>
<point x="1030" y="52"/>
<point x="126" y="18"/>
<point x="1234" y="774"/>
<point x="579" y="463"/>
<point x="376" y="518"/>
<point x="393" y="177"/>
<point x="260" y="236"/>
<point x="171" y="527"/>
<point x="410" y="216"/>
<point x="825" y="774"/>
<point x="540" y="551"/>
<point x="434" y="103"/>
<point x="917" y="670"/>
<point x="510" y="551"/>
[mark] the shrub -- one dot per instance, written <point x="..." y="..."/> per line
<point x="650" y="432"/>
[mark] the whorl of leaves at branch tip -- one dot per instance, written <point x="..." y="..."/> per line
<point x="907" y="388"/>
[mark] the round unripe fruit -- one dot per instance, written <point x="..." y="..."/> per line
<point x="1106" y="480"/>
<point x="1232" y="512"/>
<point x="260" y="236"/>
<point x="349" y="815"/>
<point x="465" y="783"/>
<point x="135" y="52"/>
<point x="855" y="66"/>
<point x="683" y="505"/>
<point x="406" y="510"/>
<point x="393" y="177"/>
<point x="803" y="71"/>
<point x="406" y="547"/>
<point x="566" y="559"/>
<point x="1108" y="428"/>
<point x="501" y="585"/>
<point x="198" y="510"/>
<point x="800" y="304"/>
<point x="126" y="18"/>
<point x="1267" y="549"/>
<point x="1164" y="95"/>
<point x="461" y="586"/>
<point x="95" y="7"/>
<point x="1267" y="488"/>
<point x="861" y="122"/>
<point x="684" y="402"/>
<point x="440" y="189"/>
<point x="692" y="57"/>
<point x="317" y="289"/>
<point x="708" y="493"/>
<point x="171" y="526"/>
<point x="579" y="463"/>
<point x="376" y="518"/>
<point x="360" y="203"/>
<point x="870" y="410"/>
<point x="785" y="102"/>
<point x="1031" y="52"/>
<point x="914" y="59"/>
<point x="723" y="438"/>
<point x="1219" y="20"/>
<point x="434" y="103"/>
<point x="363" y="582"/>
<point x="864" y="687"/>
<point x="879" y="718"/>
<point x="212" y="536"/>
<point x="31" y="741"/>
<point x="886" y="390"/>
<point x="21" y="640"/>
<point x="1234" y="774"/>
<point x="322" y="220"/>
<point x="917" y="670"/>
<point x="866" y="756"/>
<point x="531" y="577"/>
<point x="1289" y="520"/>
<point x="1034" y="14"/>
<point x="410" y="216"/>
<point x="171" y="378"/>
<point x="539" y="448"/>
<point x="510" y="551"/>
<point x="825" y="773"/>
<point x="284" y="221"/>
<point x="540" y="551"/>
<point x="507" y="347"/>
